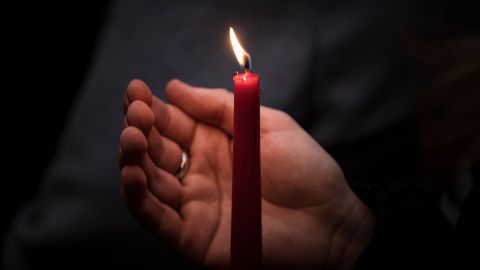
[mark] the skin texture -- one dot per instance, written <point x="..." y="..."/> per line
<point x="310" y="217"/>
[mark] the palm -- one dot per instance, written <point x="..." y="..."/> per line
<point x="302" y="191"/>
<point x="293" y="189"/>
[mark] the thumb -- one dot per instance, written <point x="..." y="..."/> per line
<point x="211" y="106"/>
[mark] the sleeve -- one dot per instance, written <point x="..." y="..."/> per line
<point x="410" y="231"/>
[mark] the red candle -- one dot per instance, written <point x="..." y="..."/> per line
<point x="246" y="234"/>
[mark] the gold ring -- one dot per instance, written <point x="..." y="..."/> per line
<point x="183" y="169"/>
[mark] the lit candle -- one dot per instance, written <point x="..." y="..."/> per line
<point x="246" y="234"/>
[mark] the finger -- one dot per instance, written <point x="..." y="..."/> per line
<point x="214" y="107"/>
<point x="138" y="90"/>
<point x="164" y="152"/>
<point x="133" y="145"/>
<point x="163" y="185"/>
<point x="140" y="115"/>
<point x="173" y="123"/>
<point x="160" y="219"/>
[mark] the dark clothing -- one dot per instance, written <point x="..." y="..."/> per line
<point x="338" y="67"/>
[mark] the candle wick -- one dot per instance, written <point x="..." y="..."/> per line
<point x="247" y="62"/>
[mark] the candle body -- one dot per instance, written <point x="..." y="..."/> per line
<point x="246" y="234"/>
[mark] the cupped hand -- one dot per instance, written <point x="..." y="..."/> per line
<point x="310" y="217"/>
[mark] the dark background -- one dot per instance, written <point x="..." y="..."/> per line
<point x="48" y="48"/>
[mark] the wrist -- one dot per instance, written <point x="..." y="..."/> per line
<point x="352" y="236"/>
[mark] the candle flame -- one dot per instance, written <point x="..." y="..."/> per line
<point x="243" y="57"/>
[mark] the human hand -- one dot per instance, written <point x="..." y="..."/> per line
<point x="310" y="217"/>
